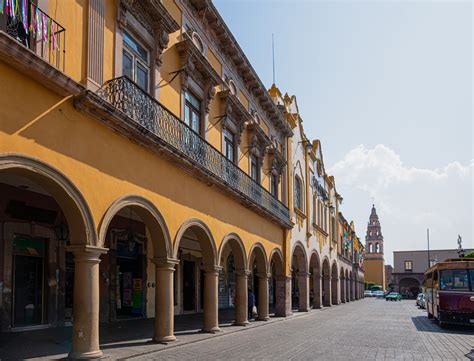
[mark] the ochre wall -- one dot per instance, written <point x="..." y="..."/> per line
<point x="375" y="271"/>
<point x="106" y="166"/>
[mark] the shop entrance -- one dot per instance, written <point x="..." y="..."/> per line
<point x="28" y="281"/>
<point x="189" y="286"/>
<point x="130" y="279"/>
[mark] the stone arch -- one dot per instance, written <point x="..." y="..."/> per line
<point x="81" y="223"/>
<point x="205" y="238"/>
<point x="409" y="286"/>
<point x="238" y="250"/>
<point x="300" y="253"/>
<point x="277" y="282"/>
<point x="150" y="215"/>
<point x="326" y="282"/>
<point x="257" y="254"/>
<point x="276" y="257"/>
<point x="342" y="286"/>
<point x="334" y="283"/>
<point x="351" y="286"/>
<point x="315" y="281"/>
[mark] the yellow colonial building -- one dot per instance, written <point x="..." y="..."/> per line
<point x="139" y="150"/>
<point x="146" y="172"/>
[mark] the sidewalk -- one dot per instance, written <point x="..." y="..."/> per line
<point x="118" y="340"/>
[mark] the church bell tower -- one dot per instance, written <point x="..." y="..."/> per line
<point x="374" y="263"/>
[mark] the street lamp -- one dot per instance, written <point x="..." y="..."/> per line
<point x="460" y="249"/>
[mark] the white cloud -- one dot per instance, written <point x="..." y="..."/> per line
<point x="408" y="199"/>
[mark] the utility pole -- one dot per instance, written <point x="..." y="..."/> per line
<point x="428" y="238"/>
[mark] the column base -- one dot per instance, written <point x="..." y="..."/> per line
<point x="245" y="323"/>
<point x="263" y="318"/>
<point x="211" y="330"/>
<point x="303" y="310"/>
<point x="86" y="355"/>
<point x="164" y="340"/>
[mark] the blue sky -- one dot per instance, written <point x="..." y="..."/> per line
<point x="387" y="87"/>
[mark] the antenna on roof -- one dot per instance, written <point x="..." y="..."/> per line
<point x="273" y="57"/>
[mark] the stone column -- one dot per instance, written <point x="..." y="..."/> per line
<point x="211" y="304"/>
<point x="164" y="300"/>
<point x="303" y="286"/>
<point x="327" y="291"/>
<point x="241" y="298"/>
<point x="262" y="308"/>
<point x="283" y="296"/>
<point x="317" y="290"/>
<point x="85" y="329"/>
<point x="342" y="284"/>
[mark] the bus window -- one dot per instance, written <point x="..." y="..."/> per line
<point x="471" y="273"/>
<point x="454" y="280"/>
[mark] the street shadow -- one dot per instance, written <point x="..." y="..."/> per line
<point x="424" y="324"/>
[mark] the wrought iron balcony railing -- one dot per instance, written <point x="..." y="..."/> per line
<point x="124" y="95"/>
<point x="24" y="21"/>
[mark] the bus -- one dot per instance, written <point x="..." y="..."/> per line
<point x="449" y="291"/>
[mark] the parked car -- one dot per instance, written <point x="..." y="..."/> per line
<point x="378" y="294"/>
<point x="367" y="293"/>
<point x="420" y="300"/>
<point x="393" y="296"/>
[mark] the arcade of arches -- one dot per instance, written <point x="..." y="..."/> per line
<point x="59" y="267"/>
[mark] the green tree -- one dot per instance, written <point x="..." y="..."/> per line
<point x="470" y="254"/>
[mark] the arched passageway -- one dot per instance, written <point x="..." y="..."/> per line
<point x="315" y="281"/>
<point x="351" y="286"/>
<point x="347" y="286"/>
<point x="409" y="287"/>
<point x="50" y="249"/>
<point x="326" y="283"/>
<point x="334" y="284"/>
<point x="300" y="279"/>
<point x="197" y="275"/>
<point x="139" y="267"/>
<point x="233" y="280"/>
<point x="277" y="292"/>
<point x="259" y="280"/>
<point x="342" y="286"/>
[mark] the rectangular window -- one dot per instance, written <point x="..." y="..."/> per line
<point x="254" y="169"/>
<point x="408" y="266"/>
<point x="229" y="146"/>
<point x="454" y="280"/>
<point x="192" y="112"/>
<point x="135" y="62"/>
<point x="274" y="186"/>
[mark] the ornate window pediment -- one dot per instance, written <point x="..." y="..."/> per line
<point x="194" y="64"/>
<point x="233" y="112"/>
<point x="154" y="17"/>
<point x="278" y="160"/>
<point x="258" y="140"/>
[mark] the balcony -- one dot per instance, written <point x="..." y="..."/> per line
<point x="35" y="30"/>
<point x="158" y="127"/>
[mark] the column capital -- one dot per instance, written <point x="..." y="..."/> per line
<point x="86" y="253"/>
<point x="242" y="273"/>
<point x="263" y="275"/>
<point x="303" y="274"/>
<point x="211" y="269"/>
<point x="165" y="263"/>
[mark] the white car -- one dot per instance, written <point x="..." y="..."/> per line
<point x="368" y="293"/>
<point x="378" y="294"/>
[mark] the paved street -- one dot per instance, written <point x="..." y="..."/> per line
<point x="368" y="329"/>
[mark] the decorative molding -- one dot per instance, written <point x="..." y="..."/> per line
<point x="95" y="44"/>
<point x="194" y="64"/>
<point x="233" y="111"/>
<point x="154" y="17"/>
